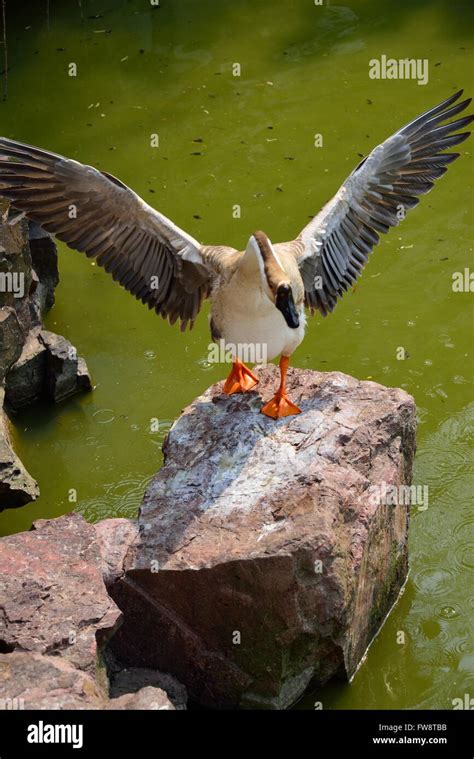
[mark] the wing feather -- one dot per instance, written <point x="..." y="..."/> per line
<point x="334" y="247"/>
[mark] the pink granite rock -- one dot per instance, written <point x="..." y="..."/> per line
<point x="34" y="681"/>
<point x="52" y="595"/>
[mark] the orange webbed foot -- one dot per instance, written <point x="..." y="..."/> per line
<point x="240" y="379"/>
<point x="280" y="405"/>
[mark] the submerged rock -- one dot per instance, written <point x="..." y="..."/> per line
<point x="264" y="562"/>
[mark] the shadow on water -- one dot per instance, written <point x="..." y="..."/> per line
<point x="373" y="18"/>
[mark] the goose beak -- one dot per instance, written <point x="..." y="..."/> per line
<point x="285" y="303"/>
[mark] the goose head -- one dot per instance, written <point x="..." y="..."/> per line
<point x="275" y="281"/>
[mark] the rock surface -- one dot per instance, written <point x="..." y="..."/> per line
<point x="34" y="681"/>
<point x="48" y="367"/>
<point x="146" y="698"/>
<point x="44" y="258"/>
<point x="11" y="339"/>
<point x="66" y="373"/>
<point x="25" y="381"/>
<point x="52" y="595"/>
<point x="115" y="537"/>
<point x="264" y="560"/>
<point x="56" y="617"/>
<point x="17" y="487"/>
<point x="16" y="267"/>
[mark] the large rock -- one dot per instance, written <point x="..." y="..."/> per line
<point x="17" y="486"/>
<point x="264" y="561"/>
<point x="52" y="596"/>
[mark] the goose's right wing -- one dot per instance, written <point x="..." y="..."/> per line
<point x="96" y="213"/>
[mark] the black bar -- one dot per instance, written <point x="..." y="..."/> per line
<point x="314" y="734"/>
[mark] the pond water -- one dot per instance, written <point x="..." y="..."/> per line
<point x="249" y="140"/>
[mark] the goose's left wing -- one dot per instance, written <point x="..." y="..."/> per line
<point x="333" y="248"/>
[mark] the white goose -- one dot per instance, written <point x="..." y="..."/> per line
<point x="258" y="295"/>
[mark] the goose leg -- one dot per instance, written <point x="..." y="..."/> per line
<point x="240" y="379"/>
<point x="280" y="405"/>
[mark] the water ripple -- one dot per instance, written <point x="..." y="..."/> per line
<point x="119" y="499"/>
<point x="434" y="580"/>
<point x="104" y="416"/>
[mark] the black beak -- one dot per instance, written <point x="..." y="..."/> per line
<point x="285" y="303"/>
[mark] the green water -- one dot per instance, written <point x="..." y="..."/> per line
<point x="249" y="140"/>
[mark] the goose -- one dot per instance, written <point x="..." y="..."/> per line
<point x="258" y="295"/>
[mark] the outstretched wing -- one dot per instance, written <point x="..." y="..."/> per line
<point x="334" y="247"/>
<point x="96" y="213"/>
